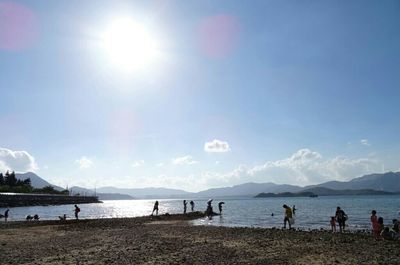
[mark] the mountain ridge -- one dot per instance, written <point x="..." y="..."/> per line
<point x="388" y="182"/>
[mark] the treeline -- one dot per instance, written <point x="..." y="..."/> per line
<point x="10" y="183"/>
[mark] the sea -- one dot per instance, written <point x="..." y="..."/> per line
<point x="311" y="213"/>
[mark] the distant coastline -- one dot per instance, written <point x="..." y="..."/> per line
<point x="319" y="191"/>
<point x="21" y="199"/>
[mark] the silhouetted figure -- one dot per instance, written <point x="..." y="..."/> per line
<point x="209" y="211"/>
<point x="288" y="216"/>
<point x="272" y="214"/>
<point x="36" y="217"/>
<point x="341" y="218"/>
<point x="184" y="206"/>
<point x="6" y="215"/>
<point x="220" y="207"/>
<point x="63" y="218"/>
<point x="29" y="217"/>
<point x="155" y="208"/>
<point x="294" y="209"/>
<point x="192" y="205"/>
<point x="77" y="210"/>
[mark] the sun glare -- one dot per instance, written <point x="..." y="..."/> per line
<point x="129" y="45"/>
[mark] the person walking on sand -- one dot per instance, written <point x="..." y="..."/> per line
<point x="341" y="218"/>
<point x="6" y="215"/>
<point x="184" y="206"/>
<point x="288" y="216"/>
<point x="376" y="227"/>
<point x="77" y="210"/>
<point x="155" y="208"/>
<point x="192" y="205"/>
<point x="220" y="207"/>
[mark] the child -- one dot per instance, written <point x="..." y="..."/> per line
<point x="376" y="227"/>
<point x="333" y="224"/>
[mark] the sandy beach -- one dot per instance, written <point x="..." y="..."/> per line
<point x="172" y="240"/>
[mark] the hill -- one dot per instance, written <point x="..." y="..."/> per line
<point x="389" y="181"/>
<point x="36" y="181"/>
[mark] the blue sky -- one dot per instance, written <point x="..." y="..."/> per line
<point x="295" y="92"/>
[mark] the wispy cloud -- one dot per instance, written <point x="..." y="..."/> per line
<point x="184" y="160"/>
<point x="216" y="146"/>
<point x="160" y="164"/>
<point x="20" y="161"/>
<point x="138" y="163"/>
<point x="365" y="142"/>
<point x="84" y="162"/>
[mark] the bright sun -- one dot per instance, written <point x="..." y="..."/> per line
<point x="129" y="45"/>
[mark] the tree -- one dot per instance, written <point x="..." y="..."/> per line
<point x="1" y="179"/>
<point x="11" y="180"/>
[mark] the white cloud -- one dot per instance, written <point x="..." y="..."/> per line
<point x="84" y="162"/>
<point x="19" y="161"/>
<point x="304" y="167"/>
<point x="365" y="142"/>
<point x="138" y="163"/>
<point x="217" y="162"/>
<point x="184" y="160"/>
<point x="216" y="146"/>
<point x="159" y="164"/>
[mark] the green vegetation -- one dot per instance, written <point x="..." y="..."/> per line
<point x="9" y="183"/>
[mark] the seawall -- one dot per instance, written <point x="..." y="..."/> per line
<point x="21" y="199"/>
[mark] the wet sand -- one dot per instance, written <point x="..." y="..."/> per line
<point x="172" y="240"/>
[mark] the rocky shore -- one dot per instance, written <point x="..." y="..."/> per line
<point x="172" y="240"/>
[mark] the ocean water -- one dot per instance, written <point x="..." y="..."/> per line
<point x="312" y="213"/>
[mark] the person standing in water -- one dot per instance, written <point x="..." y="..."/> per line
<point x="6" y="215"/>
<point x="209" y="211"/>
<point x="294" y="209"/>
<point x="192" y="205"/>
<point x="155" y="208"/>
<point x="220" y="207"/>
<point x="184" y="206"/>
<point x="288" y="216"/>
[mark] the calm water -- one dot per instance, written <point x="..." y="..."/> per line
<point x="312" y="212"/>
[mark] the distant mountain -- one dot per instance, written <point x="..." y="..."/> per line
<point x="389" y="181"/>
<point x="36" y="181"/>
<point x="146" y="192"/>
<point x="248" y="189"/>
<point x="102" y="196"/>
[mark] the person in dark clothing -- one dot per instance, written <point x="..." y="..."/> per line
<point x="192" y="205"/>
<point x="220" y="207"/>
<point x="209" y="211"/>
<point x="6" y="215"/>
<point x="77" y="211"/>
<point x="341" y="218"/>
<point x="155" y="208"/>
<point x="184" y="206"/>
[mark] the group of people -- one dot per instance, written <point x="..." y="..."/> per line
<point x="209" y="211"/>
<point x="384" y="232"/>
<point x="341" y="218"/>
<point x="30" y="217"/>
<point x="36" y="216"/>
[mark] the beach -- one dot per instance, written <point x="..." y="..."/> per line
<point x="171" y="239"/>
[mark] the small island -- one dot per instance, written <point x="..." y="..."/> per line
<point x="320" y="191"/>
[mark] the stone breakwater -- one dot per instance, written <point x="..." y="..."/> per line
<point x="18" y="199"/>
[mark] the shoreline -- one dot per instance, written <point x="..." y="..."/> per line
<point x="171" y="239"/>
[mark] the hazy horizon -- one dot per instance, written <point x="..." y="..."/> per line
<point x="200" y="94"/>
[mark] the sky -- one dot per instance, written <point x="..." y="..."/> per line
<point x="199" y="94"/>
